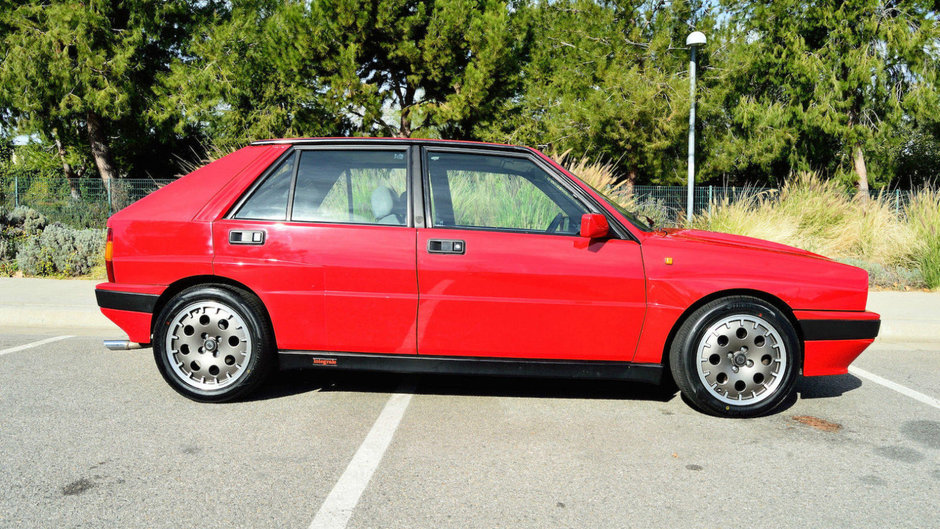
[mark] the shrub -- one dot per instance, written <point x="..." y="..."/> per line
<point x="27" y="220"/>
<point x="61" y="250"/>
<point x="923" y="215"/>
<point x="822" y="217"/>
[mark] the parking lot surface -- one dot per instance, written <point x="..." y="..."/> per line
<point x="95" y="438"/>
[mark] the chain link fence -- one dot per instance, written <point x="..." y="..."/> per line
<point x="88" y="202"/>
<point x="81" y="202"/>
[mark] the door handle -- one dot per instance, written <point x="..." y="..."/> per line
<point x="253" y="237"/>
<point x="451" y="246"/>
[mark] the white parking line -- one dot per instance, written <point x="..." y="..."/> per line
<point x="338" y="506"/>
<point x="916" y="395"/>
<point x="34" y="344"/>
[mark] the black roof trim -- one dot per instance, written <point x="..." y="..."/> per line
<point x="394" y="141"/>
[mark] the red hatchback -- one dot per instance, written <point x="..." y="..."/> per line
<point x="425" y="256"/>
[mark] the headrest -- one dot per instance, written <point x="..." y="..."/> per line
<point x="383" y="200"/>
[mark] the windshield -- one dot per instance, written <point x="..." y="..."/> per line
<point x="623" y="211"/>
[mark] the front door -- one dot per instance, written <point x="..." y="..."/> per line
<point x="502" y="271"/>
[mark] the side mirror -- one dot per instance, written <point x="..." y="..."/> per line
<point x="594" y="226"/>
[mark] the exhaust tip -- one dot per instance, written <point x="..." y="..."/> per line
<point x="122" y="345"/>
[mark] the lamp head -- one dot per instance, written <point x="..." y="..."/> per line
<point x="696" y="38"/>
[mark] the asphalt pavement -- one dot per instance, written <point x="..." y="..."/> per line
<point x="95" y="438"/>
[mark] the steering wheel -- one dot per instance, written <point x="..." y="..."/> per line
<point x="555" y="223"/>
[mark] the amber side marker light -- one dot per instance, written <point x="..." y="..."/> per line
<point x="109" y="254"/>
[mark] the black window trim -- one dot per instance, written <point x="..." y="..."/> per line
<point x="618" y="231"/>
<point x="296" y="151"/>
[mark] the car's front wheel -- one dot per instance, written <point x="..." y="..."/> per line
<point x="736" y="357"/>
<point x="213" y="343"/>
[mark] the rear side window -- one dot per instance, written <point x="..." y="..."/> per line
<point x="351" y="186"/>
<point x="269" y="200"/>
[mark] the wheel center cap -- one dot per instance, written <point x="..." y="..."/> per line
<point x="740" y="359"/>
<point x="210" y="345"/>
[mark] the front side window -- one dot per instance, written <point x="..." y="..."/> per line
<point x="351" y="186"/>
<point x="499" y="192"/>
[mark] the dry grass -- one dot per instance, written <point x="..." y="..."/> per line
<point x="819" y="216"/>
<point x="923" y="216"/>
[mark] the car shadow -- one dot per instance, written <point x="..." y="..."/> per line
<point x="826" y="387"/>
<point x="292" y="382"/>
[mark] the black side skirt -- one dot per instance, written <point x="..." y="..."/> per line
<point x="462" y="365"/>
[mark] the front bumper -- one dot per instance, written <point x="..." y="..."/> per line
<point x="833" y="340"/>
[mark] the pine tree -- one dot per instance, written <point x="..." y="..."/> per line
<point x="821" y="84"/>
<point x="79" y="73"/>
<point x="269" y="68"/>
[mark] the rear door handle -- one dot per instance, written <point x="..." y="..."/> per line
<point x="451" y="246"/>
<point x="253" y="237"/>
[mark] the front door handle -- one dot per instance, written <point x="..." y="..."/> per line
<point x="451" y="246"/>
<point x="253" y="237"/>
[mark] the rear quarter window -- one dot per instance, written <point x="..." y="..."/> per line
<point x="269" y="200"/>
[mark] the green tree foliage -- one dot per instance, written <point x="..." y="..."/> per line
<point x="845" y="88"/>
<point x="610" y="79"/>
<point x="79" y="74"/>
<point x="821" y="85"/>
<point x="268" y="68"/>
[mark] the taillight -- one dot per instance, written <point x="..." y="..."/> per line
<point x="109" y="255"/>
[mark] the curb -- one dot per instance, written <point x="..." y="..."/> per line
<point x="56" y="318"/>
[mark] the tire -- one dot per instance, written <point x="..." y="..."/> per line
<point x="213" y="343"/>
<point x="736" y="357"/>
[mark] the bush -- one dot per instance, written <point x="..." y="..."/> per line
<point x="822" y="217"/>
<point x="923" y="215"/>
<point x="24" y="219"/>
<point x="61" y="250"/>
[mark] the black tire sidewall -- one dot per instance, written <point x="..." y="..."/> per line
<point x="257" y="329"/>
<point x="684" y="355"/>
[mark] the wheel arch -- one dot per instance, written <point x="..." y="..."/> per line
<point x="206" y="280"/>
<point x="759" y="294"/>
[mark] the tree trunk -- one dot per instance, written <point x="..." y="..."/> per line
<point x="99" y="148"/>
<point x="858" y="158"/>
<point x="67" y="168"/>
<point x="404" y="130"/>
<point x="631" y="181"/>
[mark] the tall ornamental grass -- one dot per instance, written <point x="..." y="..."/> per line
<point x="898" y="250"/>
<point x="923" y="216"/>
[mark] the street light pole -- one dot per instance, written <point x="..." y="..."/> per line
<point x="695" y="39"/>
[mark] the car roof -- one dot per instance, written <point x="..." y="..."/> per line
<point x="392" y="141"/>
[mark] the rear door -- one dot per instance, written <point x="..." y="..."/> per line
<point x="503" y="272"/>
<point x="326" y="241"/>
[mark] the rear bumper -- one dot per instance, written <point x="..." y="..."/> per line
<point x="833" y="340"/>
<point x="130" y="308"/>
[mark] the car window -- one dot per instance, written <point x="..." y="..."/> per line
<point x="269" y="200"/>
<point x="499" y="192"/>
<point x="351" y="186"/>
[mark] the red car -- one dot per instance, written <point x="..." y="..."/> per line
<point x="425" y="256"/>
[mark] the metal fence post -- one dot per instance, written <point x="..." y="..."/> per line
<point x="16" y="191"/>
<point x="711" y="196"/>
<point x="109" y="198"/>
<point x="897" y="202"/>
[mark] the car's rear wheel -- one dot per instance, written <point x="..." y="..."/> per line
<point x="736" y="357"/>
<point x="213" y="343"/>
